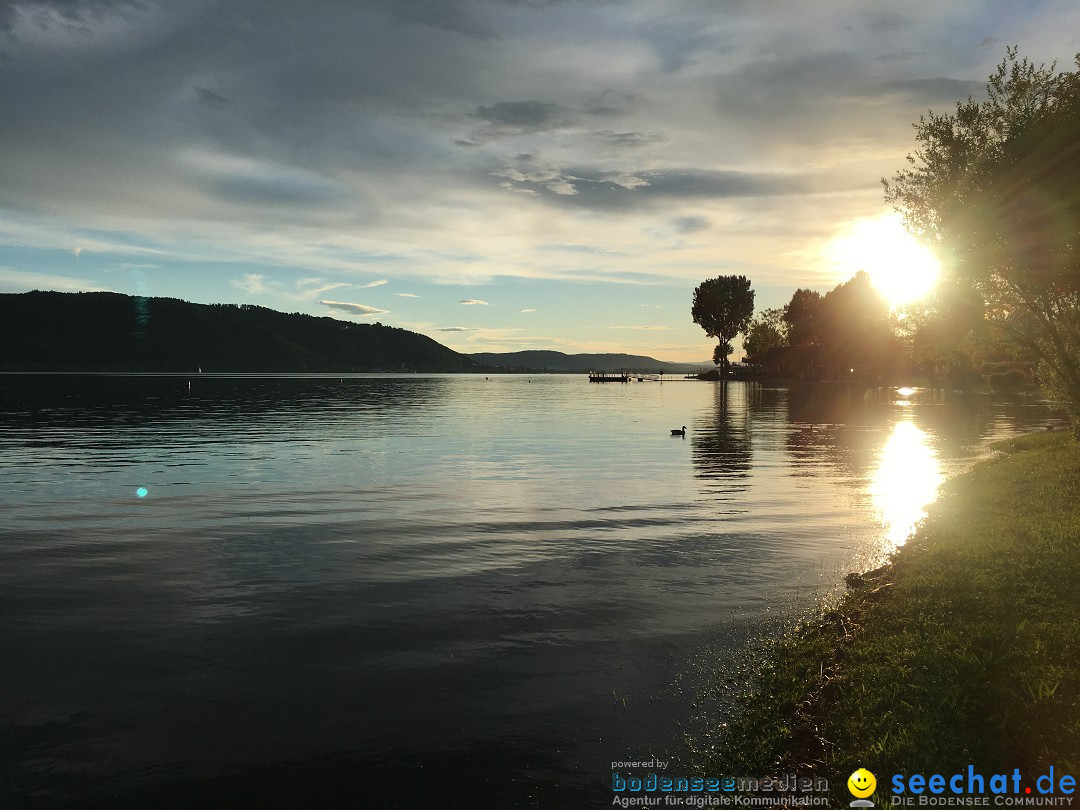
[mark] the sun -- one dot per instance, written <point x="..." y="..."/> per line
<point x="900" y="267"/>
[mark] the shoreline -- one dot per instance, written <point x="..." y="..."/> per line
<point x="961" y="649"/>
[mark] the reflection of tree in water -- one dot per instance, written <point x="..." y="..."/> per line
<point x="720" y="442"/>
<point x="827" y="425"/>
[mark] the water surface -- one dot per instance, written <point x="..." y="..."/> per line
<point x="457" y="588"/>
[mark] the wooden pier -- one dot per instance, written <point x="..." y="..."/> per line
<point x="623" y="377"/>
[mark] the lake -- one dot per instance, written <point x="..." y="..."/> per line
<point x="385" y="590"/>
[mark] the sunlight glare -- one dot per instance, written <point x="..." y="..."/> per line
<point x="905" y="483"/>
<point x="900" y="266"/>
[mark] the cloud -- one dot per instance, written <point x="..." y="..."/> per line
<point x="77" y="251"/>
<point x="378" y="283"/>
<point x="607" y="190"/>
<point x="406" y="295"/>
<point x="358" y="309"/>
<point x="314" y="287"/>
<point x="254" y="283"/>
<point x="452" y="141"/>
<point x="520" y="115"/>
<point x="458" y="329"/>
<point x="898" y="56"/>
<point x="509" y="119"/>
<point x="472" y="302"/>
<point x="644" y="328"/>
<point x="249" y="181"/>
<point x="629" y="140"/>
<point x="528" y="310"/>
<point x="211" y="99"/>
<point x="936" y="89"/>
<point x="691" y="224"/>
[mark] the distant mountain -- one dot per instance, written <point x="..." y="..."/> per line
<point x="52" y="331"/>
<point x="557" y="361"/>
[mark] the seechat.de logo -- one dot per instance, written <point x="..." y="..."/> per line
<point x="861" y="784"/>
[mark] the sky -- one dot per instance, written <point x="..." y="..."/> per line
<point x="498" y="174"/>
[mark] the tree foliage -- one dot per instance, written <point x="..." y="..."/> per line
<point x="799" y="315"/>
<point x="848" y="333"/>
<point x="723" y="307"/>
<point x="766" y="337"/>
<point x="996" y="186"/>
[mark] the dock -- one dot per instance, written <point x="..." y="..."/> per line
<point x="623" y="377"/>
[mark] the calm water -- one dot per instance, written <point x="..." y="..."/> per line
<point x="380" y="590"/>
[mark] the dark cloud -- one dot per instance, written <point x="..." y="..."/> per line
<point x="506" y="119"/>
<point x="898" y="56"/>
<point x="211" y="99"/>
<point x="934" y="89"/>
<point x="691" y="224"/>
<point x="523" y="115"/>
<point x="446" y="14"/>
<point x="884" y="22"/>
<point x="789" y="83"/>
<point x="257" y="191"/>
<point x="596" y="189"/>
<point x="629" y="140"/>
<point x="72" y="12"/>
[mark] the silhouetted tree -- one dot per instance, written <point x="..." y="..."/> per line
<point x="848" y="329"/>
<point x="723" y="307"/>
<point x="852" y="330"/>
<point x="800" y="316"/>
<point x="996" y="185"/>
<point x="766" y="337"/>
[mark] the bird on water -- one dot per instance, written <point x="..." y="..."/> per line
<point x="677" y="432"/>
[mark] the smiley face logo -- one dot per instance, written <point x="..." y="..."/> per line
<point x="861" y="783"/>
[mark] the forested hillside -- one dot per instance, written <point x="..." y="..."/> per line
<point x="51" y="331"/>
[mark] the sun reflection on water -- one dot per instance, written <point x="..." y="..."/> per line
<point x="905" y="482"/>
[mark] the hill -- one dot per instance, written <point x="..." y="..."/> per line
<point x="52" y="331"/>
<point x="558" y="361"/>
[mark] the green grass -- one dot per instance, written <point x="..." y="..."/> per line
<point x="965" y="650"/>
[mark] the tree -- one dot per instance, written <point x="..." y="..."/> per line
<point x="849" y="329"/>
<point x="996" y="185"/>
<point x="852" y="330"/>
<point x="800" y="315"/>
<point x="723" y="307"/>
<point x="766" y="337"/>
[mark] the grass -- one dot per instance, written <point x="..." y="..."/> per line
<point x="964" y="650"/>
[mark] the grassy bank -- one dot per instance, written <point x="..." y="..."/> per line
<point x="965" y="650"/>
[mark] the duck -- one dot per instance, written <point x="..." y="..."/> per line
<point x="677" y="432"/>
